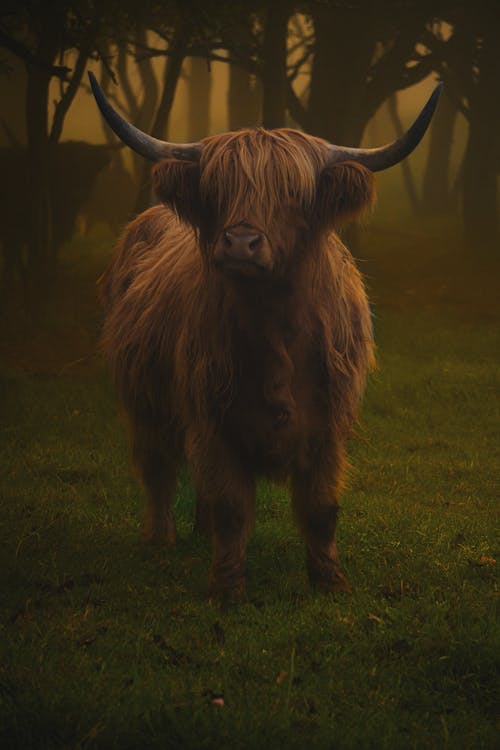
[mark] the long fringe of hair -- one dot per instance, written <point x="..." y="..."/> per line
<point x="261" y="169"/>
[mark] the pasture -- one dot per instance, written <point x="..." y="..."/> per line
<point x="108" y="643"/>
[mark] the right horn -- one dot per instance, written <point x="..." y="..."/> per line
<point x="145" y="145"/>
<point x="387" y="156"/>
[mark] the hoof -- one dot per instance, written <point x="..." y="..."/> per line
<point x="328" y="578"/>
<point x="333" y="586"/>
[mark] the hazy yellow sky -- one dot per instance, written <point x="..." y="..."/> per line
<point x="83" y="121"/>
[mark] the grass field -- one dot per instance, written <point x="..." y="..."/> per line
<point x="107" y="643"/>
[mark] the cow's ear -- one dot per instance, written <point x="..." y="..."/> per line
<point x="177" y="185"/>
<point x="344" y="191"/>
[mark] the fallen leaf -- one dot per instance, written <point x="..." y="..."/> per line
<point x="375" y="618"/>
<point x="86" y="641"/>
<point x="281" y="677"/>
<point x="486" y="560"/>
<point x="215" y="698"/>
<point x="345" y="619"/>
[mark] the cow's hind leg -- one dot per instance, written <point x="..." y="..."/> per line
<point x="157" y="463"/>
<point x="315" y="501"/>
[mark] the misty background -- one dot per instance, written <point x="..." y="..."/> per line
<point x="355" y="73"/>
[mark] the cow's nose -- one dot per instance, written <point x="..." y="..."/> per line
<point x="239" y="246"/>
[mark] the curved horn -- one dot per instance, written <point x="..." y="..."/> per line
<point x="383" y="157"/>
<point x="145" y="145"/>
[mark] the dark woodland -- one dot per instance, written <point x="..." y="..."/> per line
<point x="353" y="67"/>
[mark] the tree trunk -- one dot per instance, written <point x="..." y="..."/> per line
<point x="200" y="82"/>
<point x="337" y="108"/>
<point x="41" y="245"/>
<point x="149" y="85"/>
<point x="173" y="65"/>
<point x="436" y="193"/>
<point x="337" y="103"/>
<point x="274" y="80"/>
<point x="482" y="156"/>
<point x="243" y="99"/>
<point x="141" y="105"/>
<point x="405" y="166"/>
<point x="480" y="188"/>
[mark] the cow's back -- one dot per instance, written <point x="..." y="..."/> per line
<point x="149" y="253"/>
<point x="146" y="292"/>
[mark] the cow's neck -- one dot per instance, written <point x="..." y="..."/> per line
<point x="262" y="311"/>
<point x="254" y="333"/>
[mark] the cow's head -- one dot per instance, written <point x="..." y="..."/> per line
<point x="252" y="196"/>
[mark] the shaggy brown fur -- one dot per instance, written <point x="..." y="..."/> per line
<point x="238" y="375"/>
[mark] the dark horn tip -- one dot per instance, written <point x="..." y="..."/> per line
<point x="434" y="97"/>
<point x="93" y="80"/>
<point x="417" y="131"/>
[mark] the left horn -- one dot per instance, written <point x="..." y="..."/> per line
<point x="145" y="145"/>
<point x="387" y="156"/>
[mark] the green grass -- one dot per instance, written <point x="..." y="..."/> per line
<point x="108" y="643"/>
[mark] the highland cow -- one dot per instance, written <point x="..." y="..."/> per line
<point x="239" y="332"/>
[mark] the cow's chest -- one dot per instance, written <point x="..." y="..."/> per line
<point x="275" y="415"/>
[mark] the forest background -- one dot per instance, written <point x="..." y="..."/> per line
<point x="107" y="643"/>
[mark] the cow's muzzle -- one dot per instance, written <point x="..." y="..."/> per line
<point x="243" y="249"/>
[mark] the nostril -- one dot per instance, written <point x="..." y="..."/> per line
<point x="281" y="418"/>
<point x="244" y="246"/>
<point x="255" y="243"/>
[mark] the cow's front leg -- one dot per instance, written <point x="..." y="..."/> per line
<point x="232" y="522"/>
<point x="157" y="468"/>
<point x="315" y="501"/>
<point x="229" y="492"/>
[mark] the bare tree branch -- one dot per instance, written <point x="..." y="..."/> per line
<point x="23" y="53"/>
<point x="293" y="70"/>
<point x="66" y="99"/>
<point x="296" y="108"/>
